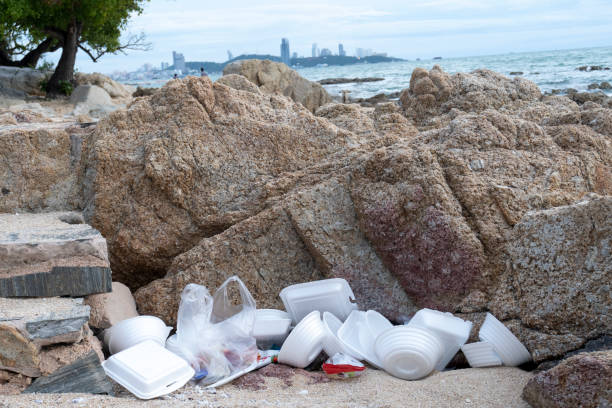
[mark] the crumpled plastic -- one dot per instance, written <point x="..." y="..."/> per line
<point x="213" y="333"/>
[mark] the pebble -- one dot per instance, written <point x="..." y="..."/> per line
<point x="78" y="400"/>
<point x="303" y="392"/>
<point x="468" y="400"/>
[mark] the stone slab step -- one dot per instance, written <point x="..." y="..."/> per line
<point x="61" y="281"/>
<point x="85" y="375"/>
<point x="52" y="254"/>
<point x="45" y="320"/>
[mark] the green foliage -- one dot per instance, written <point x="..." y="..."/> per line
<point x="45" y="66"/>
<point x="66" y="87"/>
<point x="27" y="22"/>
<point x="43" y="84"/>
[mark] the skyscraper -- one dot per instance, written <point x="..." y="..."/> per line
<point x="341" y="51"/>
<point x="285" y="54"/>
<point x="178" y="60"/>
<point x="314" y="50"/>
<point x="325" y="52"/>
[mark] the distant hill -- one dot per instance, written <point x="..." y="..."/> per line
<point x="210" y="66"/>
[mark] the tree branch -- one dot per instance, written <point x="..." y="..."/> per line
<point x="32" y="57"/>
<point x="134" y="42"/>
<point x="90" y="53"/>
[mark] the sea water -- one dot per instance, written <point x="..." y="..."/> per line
<point x="549" y="70"/>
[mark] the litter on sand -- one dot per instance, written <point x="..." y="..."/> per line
<point x="218" y="340"/>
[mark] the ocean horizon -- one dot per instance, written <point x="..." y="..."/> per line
<point x="550" y="70"/>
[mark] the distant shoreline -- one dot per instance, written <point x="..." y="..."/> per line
<point x="306" y="62"/>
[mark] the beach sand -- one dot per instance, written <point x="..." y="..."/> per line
<point x="277" y="386"/>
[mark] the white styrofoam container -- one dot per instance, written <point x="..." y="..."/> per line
<point x="357" y="337"/>
<point x="452" y="331"/>
<point x="148" y="370"/>
<point x="328" y="295"/>
<point x="304" y="343"/>
<point x="481" y="354"/>
<point x="271" y="327"/>
<point x="510" y="349"/>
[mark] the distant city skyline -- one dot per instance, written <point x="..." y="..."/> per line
<point x="404" y="29"/>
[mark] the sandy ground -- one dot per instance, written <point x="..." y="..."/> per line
<point x="280" y="387"/>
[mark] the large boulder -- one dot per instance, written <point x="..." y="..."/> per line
<point x="92" y="100"/>
<point x="26" y="80"/>
<point x="113" y="88"/>
<point x="40" y="165"/>
<point x="584" y="380"/>
<point x="434" y="94"/>
<point x="560" y="257"/>
<point x="275" y="77"/>
<point x="202" y="181"/>
<point x="191" y="161"/>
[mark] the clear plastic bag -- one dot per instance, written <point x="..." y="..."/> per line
<point x="213" y="334"/>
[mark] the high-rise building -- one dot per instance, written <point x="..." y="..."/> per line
<point x="326" y="52"/>
<point x="230" y="56"/>
<point x="164" y="66"/>
<point x="314" y="50"/>
<point x="341" y="51"/>
<point x="294" y="55"/>
<point x="285" y="54"/>
<point x="178" y="60"/>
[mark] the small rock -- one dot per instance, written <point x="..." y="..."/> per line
<point x="108" y="309"/>
<point x="516" y="73"/>
<point x="84" y="375"/>
<point x="477" y="164"/>
<point x="78" y="400"/>
<point x="303" y="392"/>
<point x="582" y="380"/>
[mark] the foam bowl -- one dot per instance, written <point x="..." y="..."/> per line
<point x="304" y="343"/>
<point x="511" y="351"/>
<point x="409" y="353"/>
<point x="331" y="344"/>
<point x="129" y="332"/>
<point x="481" y="354"/>
<point x="271" y="327"/>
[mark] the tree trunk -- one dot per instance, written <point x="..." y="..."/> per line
<point x="29" y="60"/>
<point x="65" y="67"/>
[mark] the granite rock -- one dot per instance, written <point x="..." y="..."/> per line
<point x="113" y="88"/>
<point x="189" y="162"/>
<point x="560" y="257"/>
<point x="108" y="309"/>
<point x="13" y="383"/>
<point x="21" y="79"/>
<point x="275" y="77"/>
<point x="584" y="380"/>
<point x="424" y="206"/>
<point x="39" y="166"/>
<point x="36" y="243"/>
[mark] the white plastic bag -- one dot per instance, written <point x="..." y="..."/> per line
<point x="213" y="334"/>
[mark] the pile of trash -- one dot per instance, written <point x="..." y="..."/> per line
<point x="219" y="339"/>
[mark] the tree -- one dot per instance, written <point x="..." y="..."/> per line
<point x="31" y="28"/>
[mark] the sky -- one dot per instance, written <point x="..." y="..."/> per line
<point x="410" y="29"/>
